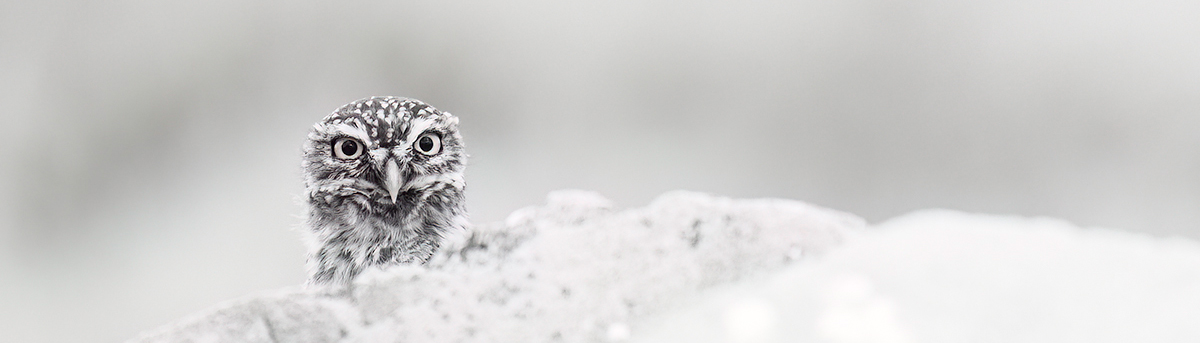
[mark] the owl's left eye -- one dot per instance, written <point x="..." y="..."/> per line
<point x="347" y="148"/>
<point x="428" y="143"/>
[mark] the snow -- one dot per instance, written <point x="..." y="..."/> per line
<point x="697" y="268"/>
<point x="944" y="276"/>
<point x="574" y="270"/>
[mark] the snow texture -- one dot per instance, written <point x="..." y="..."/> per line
<point x="943" y="276"/>
<point x="573" y="270"/>
<point x="695" y="268"/>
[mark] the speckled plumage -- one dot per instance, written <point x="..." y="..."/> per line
<point x="393" y="202"/>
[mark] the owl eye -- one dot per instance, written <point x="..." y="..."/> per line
<point x="347" y="148"/>
<point x="428" y="143"/>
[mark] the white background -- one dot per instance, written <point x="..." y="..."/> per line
<point x="149" y="161"/>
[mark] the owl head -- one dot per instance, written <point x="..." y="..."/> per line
<point x="384" y="157"/>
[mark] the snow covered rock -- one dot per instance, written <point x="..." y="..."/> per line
<point x="574" y="270"/>
<point x="943" y="276"/>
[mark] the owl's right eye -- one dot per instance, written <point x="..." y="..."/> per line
<point x="347" y="148"/>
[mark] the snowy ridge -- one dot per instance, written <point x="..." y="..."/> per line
<point x="944" y="276"/>
<point x="573" y="270"/>
<point x="695" y="268"/>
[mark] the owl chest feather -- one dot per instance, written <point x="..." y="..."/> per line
<point x="352" y="237"/>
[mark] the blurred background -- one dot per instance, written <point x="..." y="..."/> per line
<point x="149" y="156"/>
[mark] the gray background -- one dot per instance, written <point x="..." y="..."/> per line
<point x="150" y="161"/>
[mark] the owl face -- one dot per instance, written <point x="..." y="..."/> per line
<point x="383" y="155"/>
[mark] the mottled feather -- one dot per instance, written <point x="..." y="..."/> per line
<point x="352" y="219"/>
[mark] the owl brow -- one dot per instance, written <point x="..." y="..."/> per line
<point x="418" y="126"/>
<point x="352" y="131"/>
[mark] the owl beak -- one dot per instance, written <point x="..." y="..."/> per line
<point x="391" y="179"/>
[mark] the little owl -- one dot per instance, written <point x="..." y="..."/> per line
<point x="383" y="181"/>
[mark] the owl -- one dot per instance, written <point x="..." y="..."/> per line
<point x="383" y="181"/>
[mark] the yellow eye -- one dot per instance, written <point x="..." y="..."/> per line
<point x="347" y="148"/>
<point x="428" y="143"/>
